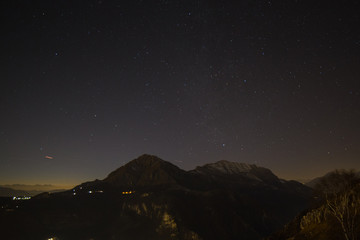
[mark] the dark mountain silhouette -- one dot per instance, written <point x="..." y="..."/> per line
<point x="149" y="198"/>
<point x="145" y="171"/>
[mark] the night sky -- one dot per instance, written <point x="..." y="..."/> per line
<point x="87" y="86"/>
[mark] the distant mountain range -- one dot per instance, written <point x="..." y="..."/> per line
<point x="149" y="198"/>
<point x="11" y="190"/>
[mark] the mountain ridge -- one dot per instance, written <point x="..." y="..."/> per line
<point x="149" y="170"/>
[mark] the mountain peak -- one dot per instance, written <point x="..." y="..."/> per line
<point x="145" y="170"/>
<point x="146" y="159"/>
<point x="226" y="167"/>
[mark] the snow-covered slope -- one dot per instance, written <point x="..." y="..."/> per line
<point x="239" y="172"/>
<point x="226" y="167"/>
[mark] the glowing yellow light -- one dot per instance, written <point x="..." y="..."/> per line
<point x="129" y="192"/>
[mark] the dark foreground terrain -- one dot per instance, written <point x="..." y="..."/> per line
<point x="149" y="198"/>
<point x="334" y="216"/>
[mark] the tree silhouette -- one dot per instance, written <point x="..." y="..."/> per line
<point x="341" y="192"/>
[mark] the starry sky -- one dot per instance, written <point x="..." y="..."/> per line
<point x="87" y="86"/>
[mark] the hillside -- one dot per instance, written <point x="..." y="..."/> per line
<point x="334" y="216"/>
<point x="9" y="192"/>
